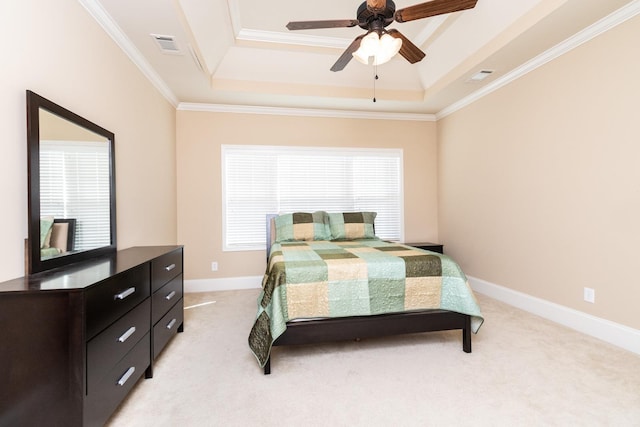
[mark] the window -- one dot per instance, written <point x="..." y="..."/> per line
<point x="258" y="180"/>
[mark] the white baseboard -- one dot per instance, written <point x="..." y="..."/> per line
<point x="605" y="330"/>
<point x="225" y="284"/>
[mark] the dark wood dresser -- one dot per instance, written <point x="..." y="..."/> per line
<point x="74" y="341"/>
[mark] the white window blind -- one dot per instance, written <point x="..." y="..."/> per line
<point x="260" y="180"/>
<point x="74" y="183"/>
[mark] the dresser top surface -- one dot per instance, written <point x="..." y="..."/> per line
<point x="86" y="273"/>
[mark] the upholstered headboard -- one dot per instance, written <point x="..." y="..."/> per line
<point x="63" y="234"/>
<point x="271" y="232"/>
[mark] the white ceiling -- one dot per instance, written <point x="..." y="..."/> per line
<point x="249" y="58"/>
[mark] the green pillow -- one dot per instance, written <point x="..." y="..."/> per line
<point x="352" y="225"/>
<point x="46" y="222"/>
<point x="302" y="226"/>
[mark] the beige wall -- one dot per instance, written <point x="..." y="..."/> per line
<point x="56" y="49"/>
<point x="539" y="185"/>
<point x="53" y="127"/>
<point x="200" y="135"/>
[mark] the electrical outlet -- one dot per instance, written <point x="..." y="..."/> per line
<point x="214" y="266"/>
<point x="589" y="295"/>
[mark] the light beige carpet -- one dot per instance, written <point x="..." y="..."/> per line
<point x="524" y="371"/>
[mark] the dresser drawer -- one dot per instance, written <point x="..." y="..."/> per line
<point x="165" y="298"/>
<point x="165" y="268"/>
<point x="114" y="386"/>
<point x="111" y="345"/>
<point x="167" y="327"/>
<point x="109" y="300"/>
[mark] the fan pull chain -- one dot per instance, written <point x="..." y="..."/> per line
<point x="375" y="77"/>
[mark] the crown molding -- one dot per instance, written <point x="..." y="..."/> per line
<point x="296" y="39"/>
<point x="96" y="10"/>
<point x="304" y="112"/>
<point x="602" y="26"/>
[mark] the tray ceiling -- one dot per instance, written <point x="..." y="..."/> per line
<point x="239" y="53"/>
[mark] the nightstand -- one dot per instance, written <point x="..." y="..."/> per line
<point x="434" y="247"/>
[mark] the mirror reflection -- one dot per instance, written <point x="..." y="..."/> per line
<point x="74" y="188"/>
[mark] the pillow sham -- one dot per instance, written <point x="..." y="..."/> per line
<point x="302" y="226"/>
<point x="352" y="225"/>
<point x="46" y="223"/>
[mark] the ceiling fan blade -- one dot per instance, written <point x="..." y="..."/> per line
<point x="432" y="8"/>
<point x="376" y="5"/>
<point x="347" y="54"/>
<point x="408" y="50"/>
<point x="310" y="25"/>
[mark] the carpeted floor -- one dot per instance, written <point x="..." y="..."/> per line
<point x="524" y="371"/>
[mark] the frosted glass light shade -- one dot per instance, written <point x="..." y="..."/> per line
<point x="377" y="50"/>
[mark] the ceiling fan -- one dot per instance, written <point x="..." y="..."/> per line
<point x="375" y="15"/>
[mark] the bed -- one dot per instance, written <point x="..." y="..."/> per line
<point x="329" y="278"/>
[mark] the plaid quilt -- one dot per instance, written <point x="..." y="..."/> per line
<point x="314" y="279"/>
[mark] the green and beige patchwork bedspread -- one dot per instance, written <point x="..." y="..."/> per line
<point x="314" y="279"/>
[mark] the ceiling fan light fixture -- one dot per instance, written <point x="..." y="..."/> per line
<point x="374" y="16"/>
<point x="376" y="50"/>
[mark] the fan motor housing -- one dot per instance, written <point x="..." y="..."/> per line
<point x="369" y="20"/>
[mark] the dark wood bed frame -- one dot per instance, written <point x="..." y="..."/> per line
<point x="358" y="327"/>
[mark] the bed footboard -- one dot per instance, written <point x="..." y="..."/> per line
<point x="350" y="328"/>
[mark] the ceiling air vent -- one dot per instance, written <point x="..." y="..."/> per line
<point x="167" y="44"/>
<point x="480" y="76"/>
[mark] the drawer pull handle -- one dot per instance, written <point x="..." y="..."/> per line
<point x="170" y="325"/>
<point x="122" y="295"/>
<point x="170" y="267"/>
<point x="171" y="295"/>
<point x="127" y="334"/>
<point x="126" y="376"/>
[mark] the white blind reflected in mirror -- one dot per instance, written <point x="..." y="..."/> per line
<point x="74" y="184"/>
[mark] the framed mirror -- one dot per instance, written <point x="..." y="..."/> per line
<point x="71" y="180"/>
